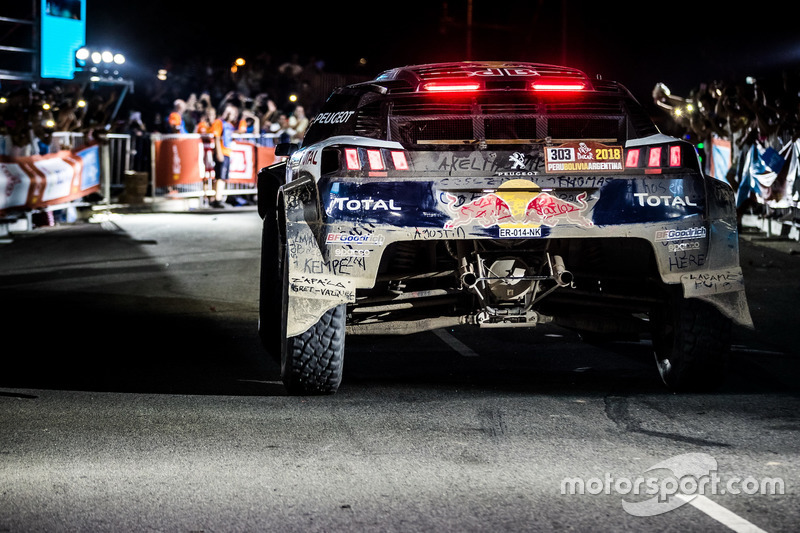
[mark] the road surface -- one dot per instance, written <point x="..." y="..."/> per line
<point x="134" y="396"/>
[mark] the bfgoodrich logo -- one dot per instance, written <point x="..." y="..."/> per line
<point x="670" y="484"/>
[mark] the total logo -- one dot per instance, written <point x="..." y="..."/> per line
<point x="367" y="204"/>
<point x="667" y="201"/>
<point x="516" y="204"/>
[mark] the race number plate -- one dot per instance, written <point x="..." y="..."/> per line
<point x="583" y="156"/>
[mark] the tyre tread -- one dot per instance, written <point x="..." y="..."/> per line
<point x="315" y="357"/>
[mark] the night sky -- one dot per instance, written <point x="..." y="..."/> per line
<point x="638" y="44"/>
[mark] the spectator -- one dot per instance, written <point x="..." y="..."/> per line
<point x="284" y="129"/>
<point x="299" y="123"/>
<point x="249" y="123"/>
<point x="270" y="118"/>
<point x="175" y="120"/>
<point x="205" y="122"/>
<point x="222" y="128"/>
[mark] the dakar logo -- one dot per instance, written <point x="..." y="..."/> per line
<point x="584" y="152"/>
<point x="516" y="204"/>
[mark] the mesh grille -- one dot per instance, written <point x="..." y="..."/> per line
<point x="510" y="128"/>
<point x="506" y="119"/>
<point x="583" y="128"/>
<point x="433" y="130"/>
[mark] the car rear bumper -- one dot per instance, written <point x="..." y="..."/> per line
<point x="337" y="228"/>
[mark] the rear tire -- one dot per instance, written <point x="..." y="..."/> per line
<point x="691" y="341"/>
<point x="312" y="362"/>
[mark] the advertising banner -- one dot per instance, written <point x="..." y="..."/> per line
<point x="179" y="159"/>
<point x="39" y="181"/>
<point x="189" y="158"/>
<point x="243" y="164"/>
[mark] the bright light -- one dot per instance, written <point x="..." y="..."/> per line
<point x="108" y="57"/>
<point x="674" y="156"/>
<point x="81" y="103"/>
<point x="119" y="59"/>
<point x="435" y="86"/>
<point x="375" y="159"/>
<point x="633" y="158"/>
<point x="162" y="74"/>
<point x="351" y="156"/>
<point x="240" y="62"/>
<point x="50" y="123"/>
<point x="557" y="86"/>
<point x="655" y="157"/>
<point x="82" y="54"/>
<point x="399" y="159"/>
<point x="97" y="57"/>
<point x="292" y="97"/>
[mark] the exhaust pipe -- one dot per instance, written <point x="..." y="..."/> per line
<point x="561" y="275"/>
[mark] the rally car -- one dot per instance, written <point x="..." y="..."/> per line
<point x="494" y="194"/>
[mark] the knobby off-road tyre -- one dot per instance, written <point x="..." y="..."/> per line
<point x="311" y="363"/>
<point x="691" y="341"/>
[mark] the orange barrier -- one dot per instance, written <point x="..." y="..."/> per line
<point x="247" y="159"/>
<point x="178" y="159"/>
<point x="37" y="182"/>
<point x="183" y="159"/>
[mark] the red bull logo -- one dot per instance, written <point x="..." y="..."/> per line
<point x="517" y="204"/>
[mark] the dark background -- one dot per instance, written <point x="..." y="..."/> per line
<point x="639" y="44"/>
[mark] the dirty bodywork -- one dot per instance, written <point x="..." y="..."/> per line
<point x="462" y="194"/>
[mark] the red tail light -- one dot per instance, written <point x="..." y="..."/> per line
<point x="632" y="160"/>
<point x="654" y="159"/>
<point x="351" y="158"/>
<point x="657" y="158"/>
<point x="550" y="85"/>
<point x="674" y="156"/>
<point x="399" y="160"/>
<point x="375" y="161"/>
<point x="451" y="86"/>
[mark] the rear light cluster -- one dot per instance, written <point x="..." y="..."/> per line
<point x="375" y="159"/>
<point x="654" y="159"/>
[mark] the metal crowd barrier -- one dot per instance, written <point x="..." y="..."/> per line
<point x="130" y="168"/>
<point x="182" y="165"/>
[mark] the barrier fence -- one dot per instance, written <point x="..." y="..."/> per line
<point x="122" y="167"/>
<point x="183" y="164"/>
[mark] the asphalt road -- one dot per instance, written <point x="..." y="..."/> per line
<point x="134" y="396"/>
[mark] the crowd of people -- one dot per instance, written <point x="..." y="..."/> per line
<point x="260" y="96"/>
<point x="761" y="119"/>
<point x="197" y="114"/>
<point x="30" y="116"/>
<point x="257" y="94"/>
<point x="742" y="112"/>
